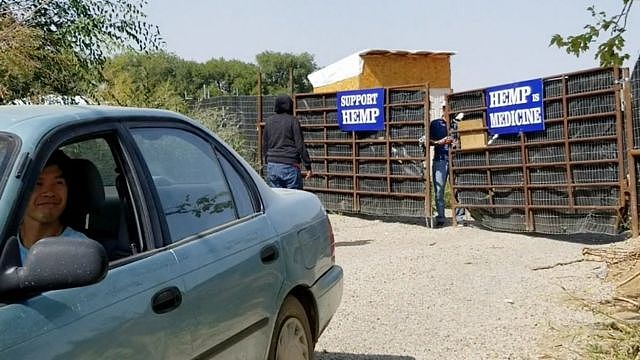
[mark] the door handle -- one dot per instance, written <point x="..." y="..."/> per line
<point x="166" y="300"/>
<point x="269" y="254"/>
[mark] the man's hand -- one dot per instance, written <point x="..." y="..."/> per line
<point x="308" y="175"/>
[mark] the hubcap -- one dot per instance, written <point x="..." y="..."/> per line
<point x="292" y="342"/>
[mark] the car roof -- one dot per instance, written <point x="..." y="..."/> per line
<point x="22" y="119"/>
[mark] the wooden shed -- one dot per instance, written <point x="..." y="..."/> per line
<point x="388" y="68"/>
<point x="384" y="68"/>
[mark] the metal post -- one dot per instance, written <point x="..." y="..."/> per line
<point x="259" y="123"/>
<point x="631" y="153"/>
<point x="291" y="81"/>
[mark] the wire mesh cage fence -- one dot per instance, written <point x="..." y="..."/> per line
<point x="546" y="154"/>
<point x="344" y="167"/>
<point x="400" y="96"/>
<point x="391" y="206"/>
<point x="594" y="150"/>
<point x="575" y="222"/>
<point x="590" y="128"/>
<point x="503" y="196"/>
<point x="511" y="176"/>
<point x="562" y="165"/>
<point x="635" y="103"/>
<point x="407" y="168"/>
<point x="552" y="132"/>
<point x="500" y="219"/>
<point x="551" y="196"/>
<point x="590" y="81"/>
<point x="382" y="168"/>
<point x="505" y="156"/>
<point x="590" y="113"/>
<point x="553" y="110"/>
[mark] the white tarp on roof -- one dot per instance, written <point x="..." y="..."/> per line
<point x="352" y="65"/>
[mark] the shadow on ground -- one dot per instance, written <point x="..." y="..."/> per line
<point x="343" y="356"/>
<point x="586" y="238"/>
<point x="583" y="238"/>
<point x="387" y="219"/>
<point x="353" y="243"/>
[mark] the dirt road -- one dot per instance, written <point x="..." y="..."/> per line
<point x="411" y="292"/>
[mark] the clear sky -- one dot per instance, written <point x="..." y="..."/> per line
<point x="495" y="41"/>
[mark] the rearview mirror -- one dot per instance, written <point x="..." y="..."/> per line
<point x="52" y="264"/>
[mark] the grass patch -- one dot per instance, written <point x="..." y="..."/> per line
<point x="615" y="340"/>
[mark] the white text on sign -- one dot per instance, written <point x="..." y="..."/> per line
<point x="360" y="116"/>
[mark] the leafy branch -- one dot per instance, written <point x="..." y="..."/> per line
<point x="609" y="52"/>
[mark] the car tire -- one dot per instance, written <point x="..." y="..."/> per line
<point x="291" y="338"/>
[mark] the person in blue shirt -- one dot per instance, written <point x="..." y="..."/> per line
<point x="47" y="202"/>
<point x="441" y="141"/>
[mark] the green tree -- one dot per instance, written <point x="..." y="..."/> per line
<point x="612" y="27"/>
<point x="66" y="42"/>
<point x="142" y="80"/>
<point x="189" y="79"/>
<point x="275" y="68"/>
<point x="230" y="77"/>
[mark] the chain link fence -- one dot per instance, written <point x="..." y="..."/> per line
<point x="245" y="112"/>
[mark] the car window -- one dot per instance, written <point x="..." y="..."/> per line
<point x="99" y="202"/>
<point x="191" y="186"/>
<point x="239" y="189"/>
<point x="99" y="153"/>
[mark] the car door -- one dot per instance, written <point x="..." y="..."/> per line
<point x="225" y="247"/>
<point x="124" y="316"/>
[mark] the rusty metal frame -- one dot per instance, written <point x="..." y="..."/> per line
<point x="631" y="153"/>
<point x="356" y="191"/>
<point x="568" y="165"/>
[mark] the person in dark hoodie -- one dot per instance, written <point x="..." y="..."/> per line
<point x="283" y="148"/>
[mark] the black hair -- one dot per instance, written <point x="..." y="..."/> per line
<point x="60" y="159"/>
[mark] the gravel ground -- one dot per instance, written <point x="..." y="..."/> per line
<point x="411" y="292"/>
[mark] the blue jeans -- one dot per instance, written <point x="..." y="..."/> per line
<point x="440" y="169"/>
<point x="284" y="176"/>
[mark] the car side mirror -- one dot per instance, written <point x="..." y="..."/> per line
<point x="53" y="263"/>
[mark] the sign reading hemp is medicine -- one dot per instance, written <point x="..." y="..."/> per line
<point x="515" y="108"/>
<point x="360" y="110"/>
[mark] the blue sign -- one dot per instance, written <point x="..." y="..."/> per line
<point x="361" y="110"/>
<point x="515" y="108"/>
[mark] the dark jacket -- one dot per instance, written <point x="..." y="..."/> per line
<point x="282" y="140"/>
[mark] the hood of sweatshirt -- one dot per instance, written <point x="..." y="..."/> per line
<point x="284" y="105"/>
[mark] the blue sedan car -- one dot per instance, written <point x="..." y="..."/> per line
<point x="178" y="249"/>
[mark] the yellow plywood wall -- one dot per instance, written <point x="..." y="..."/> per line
<point x="397" y="70"/>
<point x="346" y="84"/>
<point x="389" y="70"/>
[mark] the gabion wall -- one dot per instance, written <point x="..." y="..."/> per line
<point x="563" y="180"/>
<point x="377" y="173"/>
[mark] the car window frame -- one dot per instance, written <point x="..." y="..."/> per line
<point x="216" y="148"/>
<point x="254" y="193"/>
<point x="76" y="132"/>
<point x="9" y="162"/>
<point x="15" y="143"/>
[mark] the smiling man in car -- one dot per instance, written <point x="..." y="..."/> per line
<point x="47" y="202"/>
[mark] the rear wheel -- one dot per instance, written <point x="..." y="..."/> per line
<point x="292" y="333"/>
